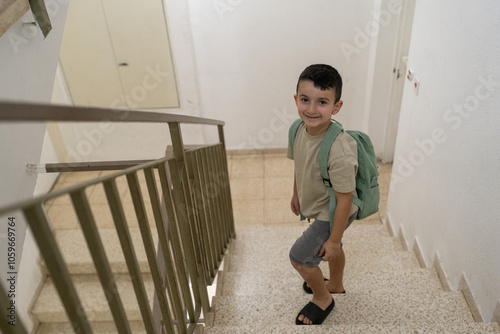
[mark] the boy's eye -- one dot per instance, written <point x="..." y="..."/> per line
<point x="322" y="102"/>
<point x="304" y="99"/>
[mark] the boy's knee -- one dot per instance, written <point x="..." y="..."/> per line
<point x="301" y="268"/>
<point x="295" y="264"/>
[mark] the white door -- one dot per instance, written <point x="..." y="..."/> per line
<point x="116" y="53"/>
<point x="398" y="79"/>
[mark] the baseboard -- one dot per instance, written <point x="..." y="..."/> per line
<point x="443" y="278"/>
<point x="218" y="283"/>
<point x="232" y="152"/>
<point x="418" y="253"/>
<point x="209" y="319"/>
<point x="402" y="238"/>
<point x="469" y="297"/>
<point x="387" y="222"/>
<point x="496" y="314"/>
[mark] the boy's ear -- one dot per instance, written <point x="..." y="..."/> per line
<point x="337" y="106"/>
<point x="295" y="98"/>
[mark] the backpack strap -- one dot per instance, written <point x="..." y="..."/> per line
<point x="324" y="152"/>
<point x="292" y="132"/>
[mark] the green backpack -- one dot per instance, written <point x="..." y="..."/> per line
<point x="367" y="177"/>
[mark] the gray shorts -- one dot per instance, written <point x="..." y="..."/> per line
<point x="306" y="248"/>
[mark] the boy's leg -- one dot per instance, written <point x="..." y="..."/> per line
<point x="336" y="265"/>
<point x="335" y="284"/>
<point x="305" y="259"/>
<point x="314" y="277"/>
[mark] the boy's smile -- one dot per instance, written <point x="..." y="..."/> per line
<point x="316" y="106"/>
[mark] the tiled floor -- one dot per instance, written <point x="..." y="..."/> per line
<point x="262" y="186"/>
<point x="261" y="189"/>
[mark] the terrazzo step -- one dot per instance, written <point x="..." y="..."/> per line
<point x="351" y="309"/>
<point x="279" y="239"/>
<point x="266" y="234"/>
<point x="357" y="260"/>
<point x="77" y="256"/>
<point x="106" y="327"/>
<point x="49" y="309"/>
<point x="477" y="328"/>
<point x="409" y="281"/>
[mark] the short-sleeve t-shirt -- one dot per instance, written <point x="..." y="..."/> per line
<point x="342" y="164"/>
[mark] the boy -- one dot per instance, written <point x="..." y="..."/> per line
<point x="318" y="98"/>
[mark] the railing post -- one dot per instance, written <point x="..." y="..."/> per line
<point x="57" y="269"/>
<point x="183" y="205"/>
<point x="228" y="188"/>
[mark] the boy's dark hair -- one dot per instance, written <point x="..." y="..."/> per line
<point x="323" y="77"/>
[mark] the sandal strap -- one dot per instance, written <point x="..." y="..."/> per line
<point x="314" y="313"/>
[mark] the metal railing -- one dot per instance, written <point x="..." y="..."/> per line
<point x="192" y="213"/>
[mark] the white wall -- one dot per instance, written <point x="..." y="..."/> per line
<point x="239" y="61"/>
<point x="249" y="55"/>
<point x="445" y="188"/>
<point x="27" y="69"/>
<point x="98" y="141"/>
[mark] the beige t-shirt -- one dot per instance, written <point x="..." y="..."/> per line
<point x="342" y="163"/>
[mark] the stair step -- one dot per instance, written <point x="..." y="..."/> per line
<point x="357" y="233"/>
<point x="108" y="327"/>
<point x="350" y="309"/>
<point x="279" y="240"/>
<point x="77" y="256"/>
<point x="476" y="328"/>
<point x="49" y="308"/>
<point x="357" y="260"/>
<point x="411" y="281"/>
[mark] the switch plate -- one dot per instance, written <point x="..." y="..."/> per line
<point x="416" y="85"/>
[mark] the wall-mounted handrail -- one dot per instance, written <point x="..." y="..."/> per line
<point x="194" y="225"/>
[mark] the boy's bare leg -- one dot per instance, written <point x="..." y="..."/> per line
<point x="335" y="284"/>
<point x="314" y="278"/>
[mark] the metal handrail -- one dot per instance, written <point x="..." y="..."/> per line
<point x="31" y="112"/>
<point x="194" y="225"/>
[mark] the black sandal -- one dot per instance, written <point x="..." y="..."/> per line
<point x="314" y="313"/>
<point x="309" y="290"/>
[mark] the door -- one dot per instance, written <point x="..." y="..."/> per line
<point x="116" y="54"/>
<point x="398" y="79"/>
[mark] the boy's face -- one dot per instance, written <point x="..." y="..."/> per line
<point x="316" y="106"/>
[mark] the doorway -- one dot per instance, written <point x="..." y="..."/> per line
<point x="395" y="92"/>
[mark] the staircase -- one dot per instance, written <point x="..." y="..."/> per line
<point x="387" y="290"/>
<point x="258" y="290"/>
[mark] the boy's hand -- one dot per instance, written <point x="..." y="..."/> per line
<point x="330" y="250"/>
<point x="295" y="204"/>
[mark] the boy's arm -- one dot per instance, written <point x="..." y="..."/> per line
<point x="295" y="198"/>
<point x="331" y="248"/>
